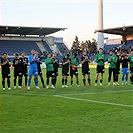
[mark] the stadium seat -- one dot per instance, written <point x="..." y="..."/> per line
<point x="46" y="46"/>
<point x="12" y="46"/>
<point x="62" y="47"/>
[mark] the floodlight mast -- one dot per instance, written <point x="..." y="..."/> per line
<point x="100" y="37"/>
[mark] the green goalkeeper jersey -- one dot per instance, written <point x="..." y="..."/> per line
<point x="131" y="60"/>
<point x="74" y="61"/>
<point x="113" y="61"/>
<point x="49" y="64"/>
<point x="100" y="59"/>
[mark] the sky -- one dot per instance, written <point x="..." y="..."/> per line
<point x="79" y="16"/>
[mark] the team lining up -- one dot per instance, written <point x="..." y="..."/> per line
<point x="68" y="62"/>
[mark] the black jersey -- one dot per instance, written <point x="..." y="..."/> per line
<point x="18" y="64"/>
<point x="56" y="65"/>
<point x="38" y="64"/>
<point x="5" y="67"/>
<point x="124" y="62"/>
<point x="25" y="63"/>
<point x="85" y="65"/>
<point x="66" y="66"/>
<point x="118" y="61"/>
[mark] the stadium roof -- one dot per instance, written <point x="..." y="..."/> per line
<point x="125" y="30"/>
<point x="21" y="30"/>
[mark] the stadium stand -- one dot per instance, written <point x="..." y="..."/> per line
<point x="60" y="58"/>
<point x="19" y="38"/>
<point x="108" y="47"/>
<point x="46" y="46"/>
<point x="127" y="45"/>
<point x="12" y="46"/>
<point x="62" y="48"/>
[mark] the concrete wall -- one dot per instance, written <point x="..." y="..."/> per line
<point x="49" y="40"/>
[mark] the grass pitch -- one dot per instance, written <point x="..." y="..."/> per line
<point x="67" y="110"/>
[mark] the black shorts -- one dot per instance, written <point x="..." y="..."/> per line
<point x="56" y="73"/>
<point x="17" y="73"/>
<point x="85" y="71"/>
<point x="6" y="74"/>
<point x="65" y="72"/>
<point x="100" y="69"/>
<point x="50" y="74"/>
<point x="117" y="70"/>
<point x="73" y="72"/>
<point x="39" y="72"/>
<point x="131" y="69"/>
<point x="24" y="72"/>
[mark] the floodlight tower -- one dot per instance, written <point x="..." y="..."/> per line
<point x="100" y="37"/>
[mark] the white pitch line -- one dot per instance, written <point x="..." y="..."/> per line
<point x="108" y="92"/>
<point x="94" y="101"/>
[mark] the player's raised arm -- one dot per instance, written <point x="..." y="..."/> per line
<point x="96" y="58"/>
<point x="40" y="60"/>
<point x="109" y="59"/>
<point x="82" y="60"/>
<point x="4" y="63"/>
<point x="115" y="59"/>
<point x="30" y="59"/>
<point x="8" y="61"/>
<point x="104" y="59"/>
<point x="64" y="62"/>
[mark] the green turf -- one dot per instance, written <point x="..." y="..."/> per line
<point x="43" y="111"/>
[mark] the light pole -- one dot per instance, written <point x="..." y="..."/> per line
<point x="100" y="36"/>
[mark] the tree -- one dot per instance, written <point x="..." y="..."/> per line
<point x="76" y="46"/>
<point x="94" y="45"/>
<point x="87" y="46"/>
<point x="83" y="46"/>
